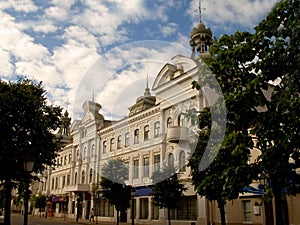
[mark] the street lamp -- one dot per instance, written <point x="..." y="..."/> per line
<point x="28" y="167"/>
<point x="133" y="192"/>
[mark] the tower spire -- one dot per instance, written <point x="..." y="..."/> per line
<point x="147" y="90"/>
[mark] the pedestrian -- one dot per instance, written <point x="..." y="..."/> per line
<point x="92" y="215"/>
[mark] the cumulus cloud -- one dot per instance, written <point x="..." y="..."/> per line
<point x="19" y="5"/>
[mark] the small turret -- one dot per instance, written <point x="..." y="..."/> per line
<point x="201" y="39"/>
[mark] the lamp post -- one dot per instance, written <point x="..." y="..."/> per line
<point x="133" y="192"/>
<point x="28" y="167"/>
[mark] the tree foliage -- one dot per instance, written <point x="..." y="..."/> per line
<point x="167" y="189"/>
<point x="27" y="123"/>
<point x="259" y="76"/>
<point x="113" y="187"/>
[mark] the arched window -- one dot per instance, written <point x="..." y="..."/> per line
<point x="156" y="129"/>
<point x="104" y="146"/>
<point x="146" y="132"/>
<point x="93" y="149"/>
<point x="83" y="177"/>
<point x="119" y="142"/>
<point x="91" y="176"/>
<point x="112" y="144"/>
<point x="171" y="160"/>
<point x="169" y="122"/>
<point x="126" y="139"/>
<point x="136" y="136"/>
<point x="84" y="152"/>
<point x="182" y="120"/>
<point x="182" y="163"/>
<point x="75" y="178"/>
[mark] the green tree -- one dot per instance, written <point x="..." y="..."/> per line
<point x="167" y="189"/>
<point x="27" y="123"/>
<point x="259" y="76"/>
<point x="229" y="171"/>
<point x="113" y="187"/>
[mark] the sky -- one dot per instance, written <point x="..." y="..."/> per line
<point x="103" y="50"/>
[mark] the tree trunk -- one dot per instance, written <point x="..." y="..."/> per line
<point x="118" y="212"/>
<point x="221" y="206"/>
<point x="8" y="187"/>
<point x="169" y="219"/>
<point x="278" y="205"/>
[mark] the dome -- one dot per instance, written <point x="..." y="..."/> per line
<point x="200" y="29"/>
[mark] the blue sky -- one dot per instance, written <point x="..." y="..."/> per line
<point x="106" y="48"/>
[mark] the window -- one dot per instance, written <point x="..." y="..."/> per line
<point x="187" y="209"/>
<point x="182" y="166"/>
<point x="104" y="146"/>
<point x="75" y="178"/>
<point x="70" y="158"/>
<point x="171" y="160"/>
<point x="83" y="177"/>
<point x="112" y="144"/>
<point x="146" y="132"/>
<point x="119" y="142"/>
<point x="136" y="136"/>
<point x="52" y="185"/>
<point x="91" y="176"/>
<point x="135" y="168"/>
<point x="169" y="122"/>
<point x="56" y="183"/>
<point x="93" y="149"/>
<point x="181" y="120"/>
<point x="84" y="152"/>
<point x="68" y="179"/>
<point x="146" y="167"/>
<point x="156" y="162"/>
<point x="126" y="139"/>
<point x="155" y="211"/>
<point x="65" y="162"/>
<point x="156" y="129"/>
<point x="106" y="209"/>
<point x="247" y="211"/>
<point x="144" y="208"/>
<point x="63" y="181"/>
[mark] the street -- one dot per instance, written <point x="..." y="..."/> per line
<point x="17" y="219"/>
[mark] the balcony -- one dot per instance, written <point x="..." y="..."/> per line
<point x="176" y="134"/>
<point x="77" y="188"/>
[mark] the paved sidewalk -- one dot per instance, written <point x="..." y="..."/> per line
<point x="17" y="219"/>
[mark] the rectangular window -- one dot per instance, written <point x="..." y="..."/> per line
<point x="146" y="167"/>
<point x="63" y="181"/>
<point x="156" y="162"/>
<point x="136" y="136"/>
<point x="247" y="211"/>
<point x="146" y="133"/>
<point x="144" y="208"/>
<point x="70" y="158"/>
<point x="156" y="129"/>
<point x="126" y="139"/>
<point x="155" y="211"/>
<point x="68" y="179"/>
<point x="65" y="162"/>
<point x="135" y="168"/>
<point x="105" y="208"/>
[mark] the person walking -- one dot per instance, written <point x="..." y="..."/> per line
<point x="92" y="215"/>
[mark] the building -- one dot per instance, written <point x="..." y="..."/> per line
<point x="156" y="132"/>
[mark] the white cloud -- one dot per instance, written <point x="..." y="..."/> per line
<point x="168" y="30"/>
<point x="19" y="5"/>
<point x="228" y="14"/>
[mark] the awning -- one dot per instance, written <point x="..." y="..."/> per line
<point x="143" y="191"/>
<point x="253" y="190"/>
<point x="58" y="199"/>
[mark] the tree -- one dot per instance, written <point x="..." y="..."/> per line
<point x="229" y="172"/>
<point x="113" y="187"/>
<point x="259" y="76"/>
<point x="27" y="123"/>
<point x="167" y="189"/>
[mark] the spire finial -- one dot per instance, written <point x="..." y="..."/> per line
<point x="147" y="90"/>
<point x="147" y="86"/>
<point x="200" y="11"/>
